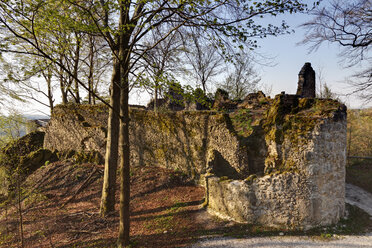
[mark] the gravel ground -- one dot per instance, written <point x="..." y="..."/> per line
<point x="354" y="195"/>
<point x="267" y="242"/>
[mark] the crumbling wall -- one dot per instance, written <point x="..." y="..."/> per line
<point x="185" y="141"/>
<point x="309" y="194"/>
<point x="281" y="163"/>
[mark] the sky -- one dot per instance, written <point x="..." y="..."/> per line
<point x="288" y="59"/>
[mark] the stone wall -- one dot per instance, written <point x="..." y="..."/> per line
<point x="310" y="195"/>
<point x="282" y="164"/>
<point x="178" y="140"/>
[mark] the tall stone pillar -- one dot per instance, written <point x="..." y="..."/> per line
<point x="306" y="81"/>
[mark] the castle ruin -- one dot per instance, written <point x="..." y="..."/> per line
<point x="277" y="162"/>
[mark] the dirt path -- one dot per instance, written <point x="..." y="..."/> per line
<point x="354" y="196"/>
<point x="303" y="242"/>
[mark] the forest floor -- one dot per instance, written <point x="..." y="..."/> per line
<point x="60" y="208"/>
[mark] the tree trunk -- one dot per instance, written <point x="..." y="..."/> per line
<point x="62" y="84"/>
<point x="111" y="156"/>
<point x="19" y="202"/>
<point x="91" y="70"/>
<point x="50" y="91"/>
<point x="156" y="96"/>
<point x="203" y="81"/>
<point x="76" y="69"/>
<point x="124" y="57"/>
<point x="124" y="225"/>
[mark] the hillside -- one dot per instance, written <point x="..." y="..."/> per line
<point x="61" y="209"/>
<point x="62" y="203"/>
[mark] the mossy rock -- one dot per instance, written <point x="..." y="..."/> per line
<point x="93" y="157"/>
<point x="66" y="154"/>
<point x="26" y="144"/>
<point x="11" y="154"/>
<point x="34" y="160"/>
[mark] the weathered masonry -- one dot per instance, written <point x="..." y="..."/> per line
<point x="277" y="162"/>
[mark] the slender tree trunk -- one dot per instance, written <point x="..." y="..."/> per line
<point x="50" y="92"/>
<point x="156" y="96"/>
<point x="62" y="84"/>
<point x="91" y="70"/>
<point x="76" y="68"/>
<point x="124" y="55"/>
<point x="111" y="156"/>
<point x="48" y="78"/>
<point x="20" y="211"/>
<point x="203" y="85"/>
<point x="124" y="225"/>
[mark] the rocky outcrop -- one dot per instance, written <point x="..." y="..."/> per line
<point x="26" y="154"/>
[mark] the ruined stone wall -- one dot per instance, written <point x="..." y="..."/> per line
<point x="282" y="164"/>
<point x="175" y="140"/>
<point x="310" y="195"/>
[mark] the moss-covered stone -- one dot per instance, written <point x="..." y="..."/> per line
<point x="36" y="159"/>
<point x="250" y="178"/>
<point x="25" y="144"/>
<point x="93" y="157"/>
<point x="11" y="154"/>
<point x="293" y="119"/>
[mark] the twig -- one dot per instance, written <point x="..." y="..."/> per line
<point x="83" y="231"/>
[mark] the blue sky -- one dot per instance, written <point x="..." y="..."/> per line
<point x="290" y="57"/>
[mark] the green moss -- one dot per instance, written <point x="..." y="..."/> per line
<point x="160" y="154"/>
<point x="242" y="122"/>
<point x="224" y="178"/>
<point x="293" y="120"/>
<point x="66" y="154"/>
<point x="86" y="115"/>
<point x="93" y="157"/>
<point x="251" y="178"/>
<point x="36" y="159"/>
<point x="13" y="153"/>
